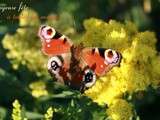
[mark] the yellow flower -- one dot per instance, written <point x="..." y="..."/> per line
<point x="117" y="34"/>
<point x="38" y="89"/>
<point x="120" y="110"/>
<point x="16" y="113"/>
<point x="49" y="114"/>
<point x="155" y="72"/>
<point x="29" y="17"/>
<point x="105" y="90"/>
<point x="25" y="50"/>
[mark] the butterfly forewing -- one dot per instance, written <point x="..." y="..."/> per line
<point x="91" y="59"/>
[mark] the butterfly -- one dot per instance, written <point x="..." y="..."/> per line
<point x="75" y="65"/>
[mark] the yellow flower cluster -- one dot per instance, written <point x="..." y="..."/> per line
<point x="24" y="48"/>
<point x="16" y="113"/>
<point x="140" y="66"/>
<point x="28" y="17"/>
<point x="38" y="89"/>
<point x="120" y="110"/>
<point x="49" y="114"/>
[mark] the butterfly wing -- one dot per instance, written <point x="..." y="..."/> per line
<point x="53" y="42"/>
<point x="58" y="68"/>
<point x="98" y="59"/>
<point x="57" y="47"/>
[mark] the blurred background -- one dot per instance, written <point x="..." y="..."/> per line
<point x="68" y="17"/>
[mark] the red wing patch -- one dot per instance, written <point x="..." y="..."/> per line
<point x="55" y="47"/>
<point x="92" y="59"/>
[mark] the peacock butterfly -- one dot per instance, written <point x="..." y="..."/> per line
<point x="75" y="66"/>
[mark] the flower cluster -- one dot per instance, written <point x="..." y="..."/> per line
<point x="120" y="110"/>
<point x="49" y="114"/>
<point x="19" y="114"/>
<point x="139" y="69"/>
<point x="16" y="113"/>
<point x="38" y="89"/>
<point x="23" y="46"/>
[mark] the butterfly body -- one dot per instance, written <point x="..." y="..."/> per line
<point x="75" y="66"/>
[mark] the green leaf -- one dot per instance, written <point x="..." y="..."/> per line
<point x="33" y="115"/>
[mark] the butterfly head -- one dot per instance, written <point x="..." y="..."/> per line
<point x="112" y="57"/>
<point x="46" y="32"/>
